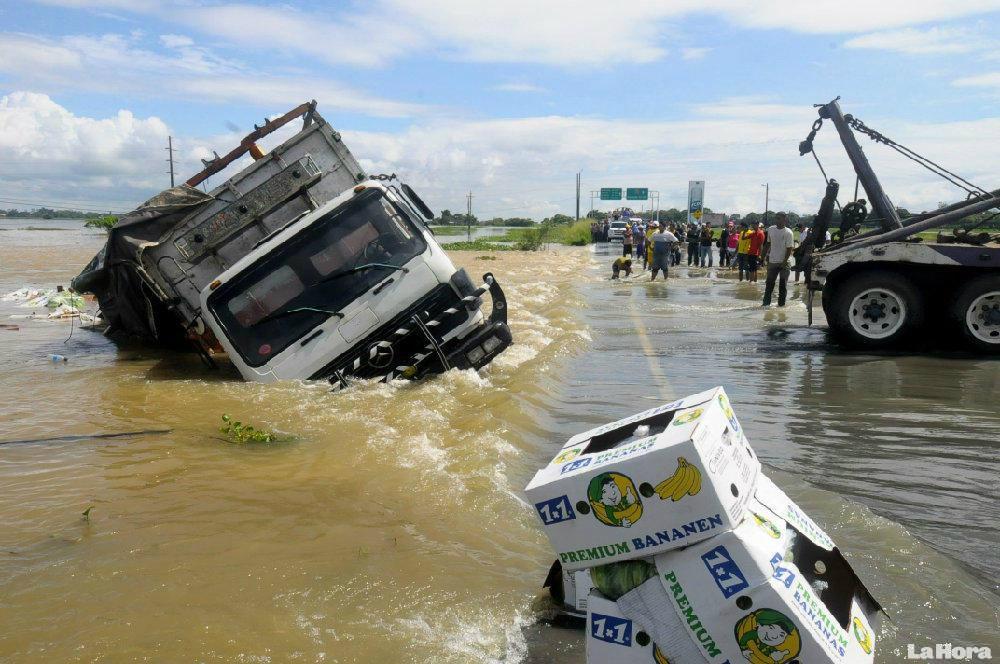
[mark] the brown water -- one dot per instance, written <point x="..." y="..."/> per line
<point x="392" y="526"/>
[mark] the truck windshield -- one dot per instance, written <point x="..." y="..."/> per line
<point x="304" y="281"/>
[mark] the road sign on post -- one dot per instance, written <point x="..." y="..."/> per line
<point x="611" y="193"/>
<point x="696" y="199"/>
<point x="636" y="194"/>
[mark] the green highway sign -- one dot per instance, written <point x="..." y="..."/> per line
<point x="636" y="194"/>
<point x="611" y="193"/>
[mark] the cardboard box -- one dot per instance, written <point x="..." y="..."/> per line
<point x="773" y="590"/>
<point x="659" y="480"/>
<point x="614" y="639"/>
<point x="577" y="587"/>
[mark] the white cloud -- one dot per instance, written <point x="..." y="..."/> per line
<point x="345" y="35"/>
<point x="916" y="41"/>
<point x="847" y="16"/>
<point x="176" y="41"/>
<point x="693" y="53"/>
<point x="989" y="80"/>
<point x="121" y="65"/>
<point x="518" y="87"/>
<point x="49" y="153"/>
<point x="515" y="167"/>
<point x="525" y="166"/>
<point x="556" y="32"/>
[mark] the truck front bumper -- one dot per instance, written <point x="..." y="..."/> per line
<point x="490" y="339"/>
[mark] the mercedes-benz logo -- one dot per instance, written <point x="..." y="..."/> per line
<point x="380" y="356"/>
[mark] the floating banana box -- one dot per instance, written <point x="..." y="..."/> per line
<point x="774" y="590"/>
<point x="659" y="480"/>
<point x="614" y="639"/>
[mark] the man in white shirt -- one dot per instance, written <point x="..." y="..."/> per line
<point x="778" y="249"/>
<point x="663" y="243"/>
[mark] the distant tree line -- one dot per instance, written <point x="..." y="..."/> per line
<point x="448" y="218"/>
<point x="48" y="213"/>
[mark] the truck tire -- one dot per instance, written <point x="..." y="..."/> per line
<point x="976" y="313"/>
<point x="875" y="309"/>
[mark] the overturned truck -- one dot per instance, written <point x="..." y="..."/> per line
<point x="299" y="266"/>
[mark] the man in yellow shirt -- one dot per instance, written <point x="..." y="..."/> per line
<point x="648" y="256"/>
<point x="743" y="250"/>
<point x="621" y="264"/>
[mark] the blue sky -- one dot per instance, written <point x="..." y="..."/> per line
<point x="507" y="99"/>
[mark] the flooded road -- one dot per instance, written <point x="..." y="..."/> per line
<point x="391" y="524"/>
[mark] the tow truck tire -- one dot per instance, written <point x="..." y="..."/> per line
<point x="976" y="313"/>
<point x="875" y="309"/>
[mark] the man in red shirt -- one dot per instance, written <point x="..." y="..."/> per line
<point x="757" y="238"/>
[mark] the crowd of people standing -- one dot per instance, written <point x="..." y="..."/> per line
<point x="745" y="247"/>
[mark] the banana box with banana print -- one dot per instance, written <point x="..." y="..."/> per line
<point x="775" y="590"/>
<point x="659" y="480"/>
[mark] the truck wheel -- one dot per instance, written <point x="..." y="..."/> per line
<point x="876" y="309"/>
<point x="977" y="314"/>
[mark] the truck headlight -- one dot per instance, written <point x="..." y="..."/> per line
<point x="475" y="354"/>
<point x="491" y="344"/>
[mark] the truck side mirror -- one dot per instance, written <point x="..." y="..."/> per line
<point x="412" y="195"/>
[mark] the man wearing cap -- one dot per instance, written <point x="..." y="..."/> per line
<point x="778" y="249"/>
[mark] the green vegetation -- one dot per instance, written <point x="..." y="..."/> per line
<point x="560" y="229"/>
<point x="47" y="213"/>
<point x="448" y="230"/>
<point x="245" y="433"/>
<point x="107" y="222"/>
<point x="448" y="218"/>
<point x="480" y="244"/>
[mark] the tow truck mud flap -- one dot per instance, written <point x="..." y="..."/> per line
<point x="414" y="344"/>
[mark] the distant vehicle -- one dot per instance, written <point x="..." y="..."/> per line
<point x="616" y="230"/>
<point x="300" y="266"/>
<point x="885" y="287"/>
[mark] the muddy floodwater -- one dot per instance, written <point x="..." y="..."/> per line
<point x="390" y="525"/>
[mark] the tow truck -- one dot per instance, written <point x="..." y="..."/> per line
<point x="886" y="287"/>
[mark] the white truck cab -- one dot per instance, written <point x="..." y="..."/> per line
<point x="332" y="296"/>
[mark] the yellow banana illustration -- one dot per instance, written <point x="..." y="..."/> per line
<point x="696" y="485"/>
<point x="686" y="481"/>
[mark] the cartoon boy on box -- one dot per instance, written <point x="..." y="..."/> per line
<point x="614" y="499"/>
<point x="767" y="636"/>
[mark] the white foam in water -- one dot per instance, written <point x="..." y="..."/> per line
<point x="419" y="451"/>
<point x="515" y="356"/>
<point x="472" y="640"/>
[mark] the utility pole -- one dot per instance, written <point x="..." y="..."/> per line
<point x="767" y="194"/>
<point x="592" y="194"/>
<point x="468" y="217"/>
<point x="577" y="196"/>
<point x="170" y="157"/>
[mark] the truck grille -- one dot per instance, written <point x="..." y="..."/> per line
<point x="402" y="348"/>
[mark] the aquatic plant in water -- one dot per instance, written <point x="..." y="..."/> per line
<point x="245" y="433"/>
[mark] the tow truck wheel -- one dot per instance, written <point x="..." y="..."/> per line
<point x="877" y="309"/>
<point x="977" y="314"/>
